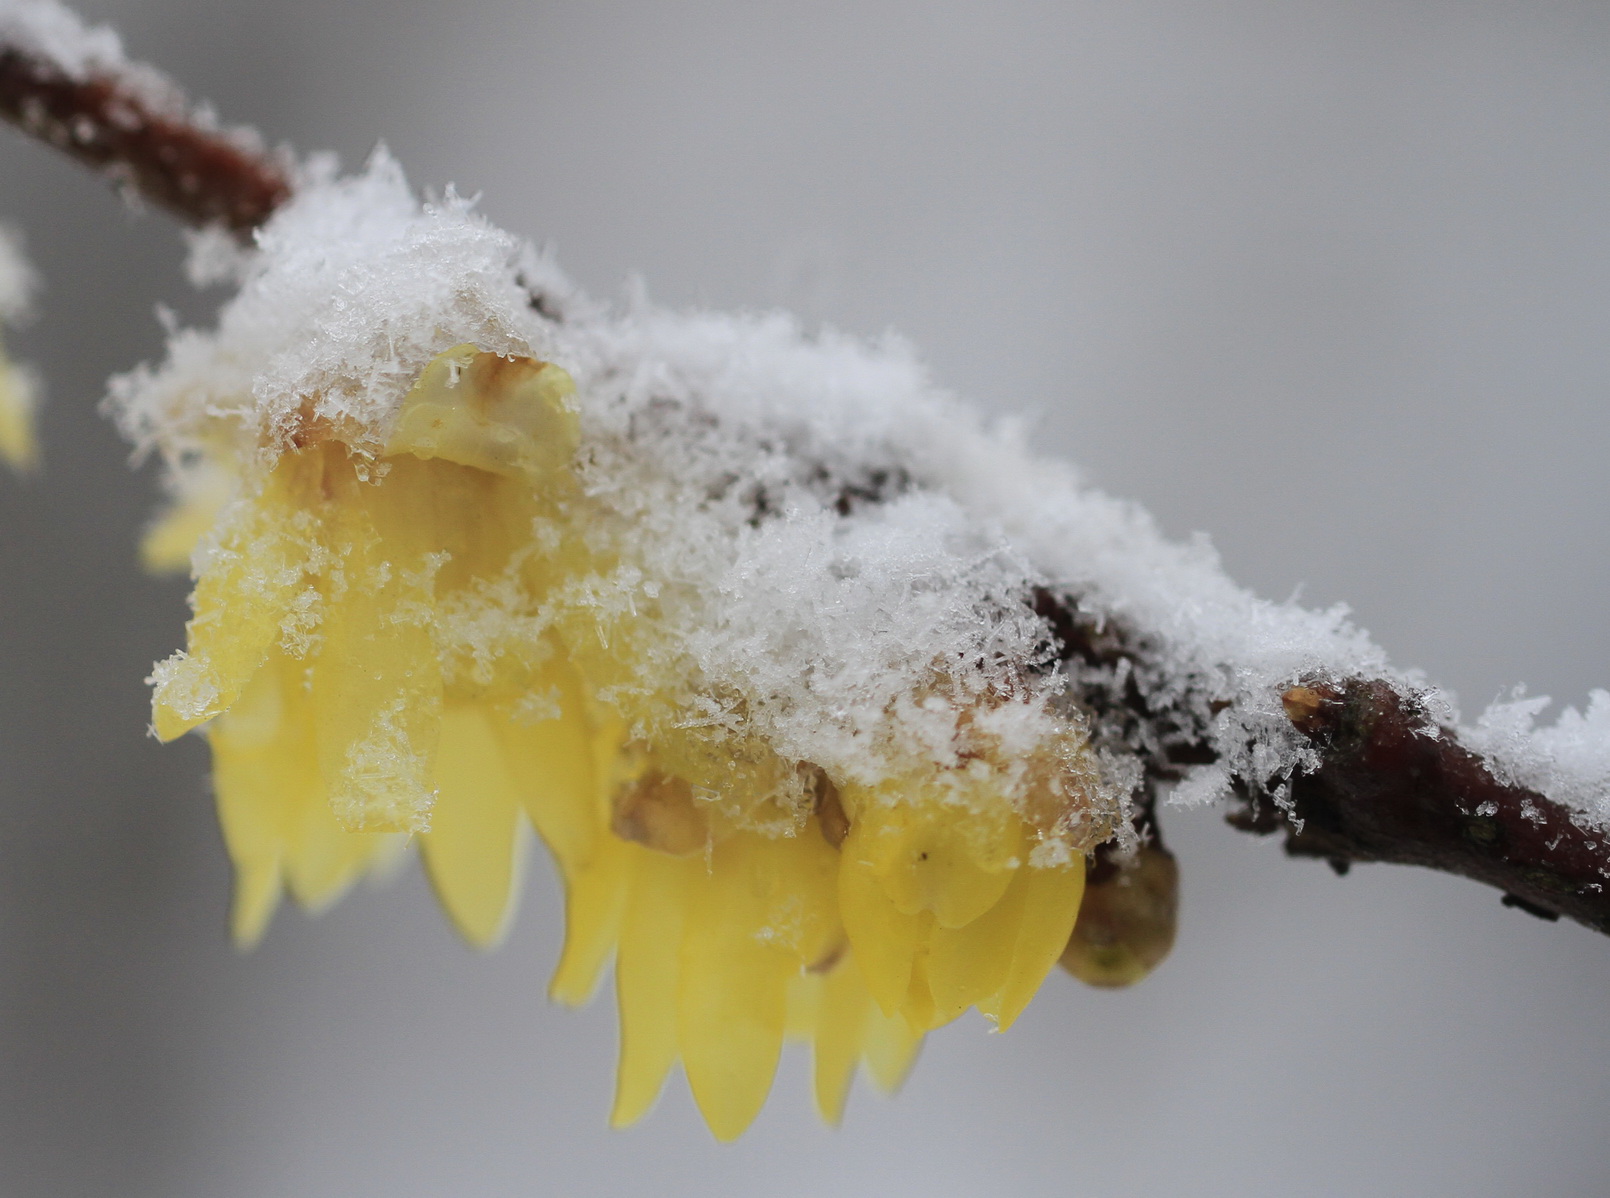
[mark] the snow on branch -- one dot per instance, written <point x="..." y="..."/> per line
<point x="794" y="454"/>
<point x="71" y="86"/>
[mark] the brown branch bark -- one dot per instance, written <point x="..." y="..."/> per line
<point x="1391" y="789"/>
<point x="1391" y="785"/>
<point x="136" y="128"/>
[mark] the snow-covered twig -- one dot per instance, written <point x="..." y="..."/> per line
<point x="1390" y="788"/>
<point x="71" y="86"/>
<point x="1390" y="782"/>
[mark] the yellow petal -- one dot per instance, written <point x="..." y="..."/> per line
<point x="169" y="542"/>
<point x="504" y="415"/>
<point x="595" y="900"/>
<point x="1050" y="907"/>
<point x="473" y="848"/>
<point x="732" y="1003"/>
<point x="322" y="858"/>
<point x="376" y="679"/>
<point x="885" y="941"/>
<point x="891" y="1049"/>
<point x="952" y="861"/>
<point x="272" y="806"/>
<point x="970" y="964"/>
<point x="555" y="769"/>
<point x="257" y="895"/>
<point x="252" y="579"/>
<point x="804" y="1007"/>
<point x="842" y="1018"/>
<point x="646" y="979"/>
<point x="254" y="766"/>
<point x="920" y="1011"/>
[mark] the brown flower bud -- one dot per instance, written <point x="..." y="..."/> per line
<point x="1127" y="920"/>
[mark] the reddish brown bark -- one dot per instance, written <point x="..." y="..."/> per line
<point x="1393" y="787"/>
<point x="162" y="152"/>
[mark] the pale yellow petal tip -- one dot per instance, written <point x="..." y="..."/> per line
<point x="573" y="986"/>
<point x="621" y="1119"/>
<point x="168" y="727"/>
<point x="635" y="1097"/>
<point x="831" y="1100"/>
<point x="481" y="909"/>
<point x="595" y="905"/>
<point x="729" y="1116"/>
<point x="890" y="1070"/>
<point x="475" y="849"/>
<point x="171" y="539"/>
<point x="257" y="895"/>
<point x="168" y="542"/>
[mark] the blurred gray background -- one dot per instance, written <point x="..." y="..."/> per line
<point x="1330" y="281"/>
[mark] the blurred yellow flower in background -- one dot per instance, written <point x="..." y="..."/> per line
<point x="18" y="448"/>
<point x="18" y="390"/>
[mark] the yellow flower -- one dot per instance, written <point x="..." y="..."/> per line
<point x="17" y="388"/>
<point x="17" y="446"/>
<point x="428" y="638"/>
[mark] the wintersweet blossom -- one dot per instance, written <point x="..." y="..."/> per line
<point x="779" y="708"/>
<point x="17" y="391"/>
<point x="775" y="645"/>
<point x="17" y="445"/>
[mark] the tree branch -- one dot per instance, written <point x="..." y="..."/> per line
<point x="135" y="126"/>
<point x="1390" y="785"/>
<point x="1393" y="787"/>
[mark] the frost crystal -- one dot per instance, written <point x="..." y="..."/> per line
<point x="1568" y="761"/>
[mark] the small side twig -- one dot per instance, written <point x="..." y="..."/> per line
<point x="135" y="125"/>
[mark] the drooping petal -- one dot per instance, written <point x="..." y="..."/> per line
<point x="885" y="940"/>
<point x="272" y="803"/>
<point x="1050" y="907"/>
<point x="647" y="978"/>
<point x="733" y="991"/>
<point x="252" y="581"/>
<point x="842" y="1015"/>
<point x="376" y="679"/>
<point x="555" y="767"/>
<point x="473" y="849"/>
<point x="891" y="1049"/>
<point x="18" y="447"/>
<point x="595" y="902"/>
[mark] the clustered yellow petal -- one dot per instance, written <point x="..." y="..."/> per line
<point x="396" y="643"/>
